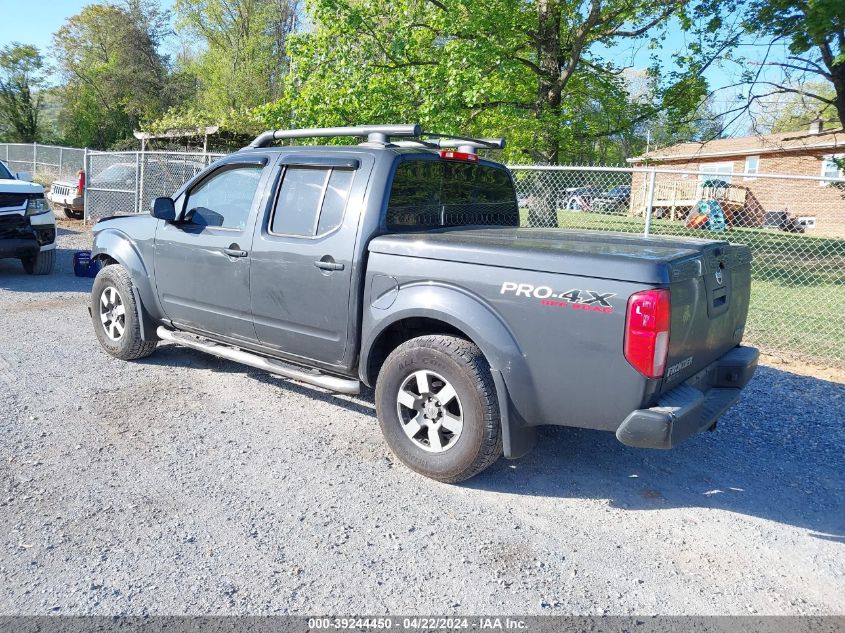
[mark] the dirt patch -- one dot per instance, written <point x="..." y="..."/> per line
<point x="77" y="226"/>
<point x="49" y="304"/>
<point x="831" y="373"/>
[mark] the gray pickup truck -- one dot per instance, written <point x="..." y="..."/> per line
<point x="399" y="263"/>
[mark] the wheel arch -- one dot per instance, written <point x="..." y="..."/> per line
<point x="115" y="247"/>
<point x="431" y="309"/>
<point x="398" y="331"/>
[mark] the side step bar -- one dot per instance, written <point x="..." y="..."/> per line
<point x="332" y="383"/>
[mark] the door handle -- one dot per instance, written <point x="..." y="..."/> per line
<point x="328" y="265"/>
<point x="235" y="251"/>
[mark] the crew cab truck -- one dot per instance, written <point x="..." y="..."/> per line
<point x="399" y="263"/>
<point x="27" y="225"/>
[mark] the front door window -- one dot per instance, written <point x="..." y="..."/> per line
<point x="224" y="200"/>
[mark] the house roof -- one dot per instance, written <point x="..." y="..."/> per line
<point x="748" y="146"/>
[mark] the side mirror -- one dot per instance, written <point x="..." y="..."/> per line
<point x="163" y="209"/>
<point x="24" y="175"/>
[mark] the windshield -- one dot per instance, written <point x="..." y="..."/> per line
<point x="436" y="193"/>
<point x="5" y="174"/>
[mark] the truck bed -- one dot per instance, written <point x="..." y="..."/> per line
<point x="620" y="256"/>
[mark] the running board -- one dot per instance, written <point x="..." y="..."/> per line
<point x="332" y="383"/>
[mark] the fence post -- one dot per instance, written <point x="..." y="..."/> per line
<point x="141" y="177"/>
<point x="87" y="170"/>
<point x="61" y="162"/>
<point x="649" y="202"/>
<point x="34" y="158"/>
<point x="137" y="182"/>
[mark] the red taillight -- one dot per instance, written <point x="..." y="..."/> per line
<point x="80" y="183"/>
<point x="447" y="153"/>
<point x="647" y="332"/>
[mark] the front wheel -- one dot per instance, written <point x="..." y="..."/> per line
<point x="116" y="315"/>
<point x="40" y="264"/>
<point x="437" y="408"/>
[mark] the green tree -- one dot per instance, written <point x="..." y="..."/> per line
<point x="114" y="75"/>
<point x="527" y="69"/>
<point x="793" y="112"/>
<point x="21" y="78"/>
<point x="532" y="71"/>
<point x="243" y="57"/>
<point x="815" y="33"/>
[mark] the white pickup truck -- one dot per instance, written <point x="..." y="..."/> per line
<point x="27" y="225"/>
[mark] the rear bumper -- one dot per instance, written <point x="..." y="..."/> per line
<point x="692" y="406"/>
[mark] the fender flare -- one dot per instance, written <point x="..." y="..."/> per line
<point x="483" y="326"/>
<point x="118" y="246"/>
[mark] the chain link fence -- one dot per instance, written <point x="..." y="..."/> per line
<point x="127" y="182"/>
<point x="795" y="225"/>
<point x="46" y="163"/>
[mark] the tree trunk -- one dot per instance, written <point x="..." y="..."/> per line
<point x="548" y="59"/>
<point x="543" y="209"/>
<point x="838" y="79"/>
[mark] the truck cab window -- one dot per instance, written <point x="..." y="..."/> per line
<point x="311" y="201"/>
<point x="431" y="194"/>
<point x="224" y="200"/>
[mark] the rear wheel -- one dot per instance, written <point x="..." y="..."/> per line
<point x="437" y="408"/>
<point x="41" y="263"/>
<point x="116" y="315"/>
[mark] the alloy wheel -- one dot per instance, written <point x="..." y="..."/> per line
<point x="430" y="411"/>
<point x="112" y="313"/>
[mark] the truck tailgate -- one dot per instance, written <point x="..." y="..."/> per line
<point x="710" y="294"/>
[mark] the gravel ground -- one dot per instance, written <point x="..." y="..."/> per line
<point x="184" y="484"/>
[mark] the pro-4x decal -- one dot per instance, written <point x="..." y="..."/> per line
<point x="588" y="300"/>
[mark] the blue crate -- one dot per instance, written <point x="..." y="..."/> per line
<point x="84" y="266"/>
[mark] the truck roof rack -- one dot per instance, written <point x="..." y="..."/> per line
<point x="373" y="133"/>
<point x="381" y="135"/>
<point x="458" y="143"/>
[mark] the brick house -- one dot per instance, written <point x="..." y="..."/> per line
<point x="752" y="198"/>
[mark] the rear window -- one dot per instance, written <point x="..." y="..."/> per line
<point x="435" y="193"/>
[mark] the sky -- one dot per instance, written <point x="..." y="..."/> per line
<point x="35" y="21"/>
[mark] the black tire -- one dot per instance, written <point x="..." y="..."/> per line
<point x="73" y="215"/>
<point x="41" y="263"/>
<point x="462" y="365"/>
<point x="128" y="345"/>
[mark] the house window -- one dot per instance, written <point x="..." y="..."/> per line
<point x="752" y="165"/>
<point x="716" y="171"/>
<point x="830" y="169"/>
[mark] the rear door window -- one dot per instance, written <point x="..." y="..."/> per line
<point x="432" y="193"/>
<point x="311" y="201"/>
